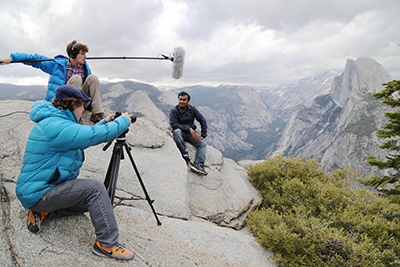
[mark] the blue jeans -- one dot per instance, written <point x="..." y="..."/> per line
<point x="180" y="137"/>
<point x="78" y="196"/>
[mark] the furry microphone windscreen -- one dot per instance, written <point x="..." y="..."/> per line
<point x="177" y="63"/>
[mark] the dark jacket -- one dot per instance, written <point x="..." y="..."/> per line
<point x="184" y="120"/>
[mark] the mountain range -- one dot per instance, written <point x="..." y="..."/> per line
<point x="331" y="117"/>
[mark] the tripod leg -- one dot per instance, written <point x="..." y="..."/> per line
<point x="128" y="151"/>
<point x="110" y="181"/>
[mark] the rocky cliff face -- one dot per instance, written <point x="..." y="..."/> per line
<point x="284" y="99"/>
<point x="202" y="216"/>
<point x="338" y="129"/>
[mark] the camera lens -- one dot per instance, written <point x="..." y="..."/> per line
<point x="133" y="118"/>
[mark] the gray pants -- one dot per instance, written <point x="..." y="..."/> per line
<point x="79" y="196"/>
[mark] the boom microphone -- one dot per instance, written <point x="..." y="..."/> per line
<point x="178" y="56"/>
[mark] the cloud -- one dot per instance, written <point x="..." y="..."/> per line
<point x="252" y="42"/>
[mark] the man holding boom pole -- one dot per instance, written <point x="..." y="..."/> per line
<point x="72" y="70"/>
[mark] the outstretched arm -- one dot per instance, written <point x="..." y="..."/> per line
<point x="35" y="60"/>
<point x="4" y="61"/>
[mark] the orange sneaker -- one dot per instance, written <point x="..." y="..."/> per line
<point x="35" y="219"/>
<point x="117" y="252"/>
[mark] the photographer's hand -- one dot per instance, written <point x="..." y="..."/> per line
<point x="4" y="61"/>
<point x="110" y="117"/>
<point x="126" y="114"/>
<point x="131" y="118"/>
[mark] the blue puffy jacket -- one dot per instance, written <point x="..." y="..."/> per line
<point x="54" y="150"/>
<point x="56" y="68"/>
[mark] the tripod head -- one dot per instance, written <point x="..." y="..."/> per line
<point x="121" y="137"/>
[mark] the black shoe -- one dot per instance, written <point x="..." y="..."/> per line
<point x="198" y="168"/>
<point x="186" y="158"/>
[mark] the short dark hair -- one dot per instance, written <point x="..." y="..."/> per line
<point x="183" y="94"/>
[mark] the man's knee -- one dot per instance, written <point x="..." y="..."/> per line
<point x="202" y="143"/>
<point x="92" y="79"/>
<point x="177" y="133"/>
<point x="95" y="185"/>
<point x="76" y="81"/>
<point x="178" y="136"/>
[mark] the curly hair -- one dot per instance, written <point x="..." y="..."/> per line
<point x="78" y="47"/>
<point x="68" y="103"/>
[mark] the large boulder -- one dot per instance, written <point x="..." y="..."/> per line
<point x="191" y="208"/>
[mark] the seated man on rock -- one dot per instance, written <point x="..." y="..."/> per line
<point x="181" y="119"/>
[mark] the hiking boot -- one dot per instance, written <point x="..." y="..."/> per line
<point x="97" y="117"/>
<point x="198" y="168"/>
<point x="35" y="219"/>
<point x="117" y="252"/>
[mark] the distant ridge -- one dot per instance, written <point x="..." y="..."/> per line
<point x="313" y="118"/>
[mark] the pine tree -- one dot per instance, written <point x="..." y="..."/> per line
<point x="391" y="133"/>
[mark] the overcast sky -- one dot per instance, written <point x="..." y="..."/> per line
<point x="250" y="42"/>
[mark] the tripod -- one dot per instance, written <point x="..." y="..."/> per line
<point x="110" y="181"/>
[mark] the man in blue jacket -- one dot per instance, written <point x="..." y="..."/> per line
<point x="181" y="119"/>
<point x="72" y="70"/>
<point x="47" y="184"/>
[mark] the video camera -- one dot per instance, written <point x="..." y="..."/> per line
<point x="133" y="118"/>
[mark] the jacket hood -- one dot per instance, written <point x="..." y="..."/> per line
<point x="43" y="109"/>
<point x="61" y="57"/>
